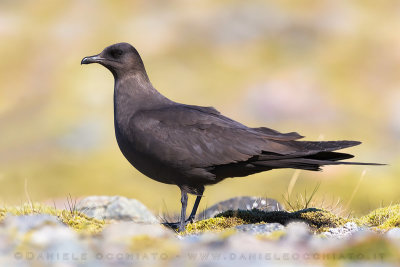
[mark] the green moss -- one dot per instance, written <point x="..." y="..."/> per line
<point x="213" y="224"/>
<point x="74" y="219"/>
<point x="382" y="218"/>
<point x="317" y="219"/>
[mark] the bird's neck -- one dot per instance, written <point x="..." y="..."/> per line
<point x="133" y="93"/>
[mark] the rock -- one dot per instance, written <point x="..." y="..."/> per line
<point x="116" y="208"/>
<point x="297" y="233"/>
<point x="241" y="203"/>
<point x="127" y="230"/>
<point x="14" y="229"/>
<point x="25" y="223"/>
<point x="144" y="244"/>
<point x="262" y="228"/>
<point x="51" y="234"/>
<point x="39" y="240"/>
<point x="57" y="245"/>
<point x="344" y="231"/>
<point x="393" y="233"/>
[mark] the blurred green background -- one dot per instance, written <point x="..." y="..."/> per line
<point x="327" y="69"/>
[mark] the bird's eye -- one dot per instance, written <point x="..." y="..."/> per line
<point x="116" y="53"/>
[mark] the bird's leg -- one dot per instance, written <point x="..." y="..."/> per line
<point x="182" y="222"/>
<point x="184" y="199"/>
<point x="194" y="210"/>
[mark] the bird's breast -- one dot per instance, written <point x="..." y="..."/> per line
<point x="144" y="162"/>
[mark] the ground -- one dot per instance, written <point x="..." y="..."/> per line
<point x="319" y="220"/>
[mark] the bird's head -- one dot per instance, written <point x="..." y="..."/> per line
<point x="118" y="58"/>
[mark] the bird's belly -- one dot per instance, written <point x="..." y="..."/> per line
<point x="148" y="166"/>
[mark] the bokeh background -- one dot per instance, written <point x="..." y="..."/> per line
<point x="328" y="69"/>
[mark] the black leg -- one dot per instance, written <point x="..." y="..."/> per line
<point x="184" y="199"/>
<point x="182" y="222"/>
<point x="194" y="210"/>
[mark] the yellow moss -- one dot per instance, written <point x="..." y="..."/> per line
<point x="81" y="222"/>
<point x="74" y="219"/>
<point x="382" y="218"/>
<point x="213" y="224"/>
<point x="391" y="223"/>
<point x="34" y="208"/>
<point x="2" y="213"/>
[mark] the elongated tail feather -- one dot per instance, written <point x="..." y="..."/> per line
<point x="306" y="163"/>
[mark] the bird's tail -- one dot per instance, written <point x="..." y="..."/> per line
<point x="312" y="156"/>
<point x="305" y="163"/>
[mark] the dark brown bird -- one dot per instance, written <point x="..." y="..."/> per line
<point x="192" y="146"/>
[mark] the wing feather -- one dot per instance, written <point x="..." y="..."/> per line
<point x="185" y="136"/>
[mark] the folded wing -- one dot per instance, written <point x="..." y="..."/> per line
<point x="185" y="136"/>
